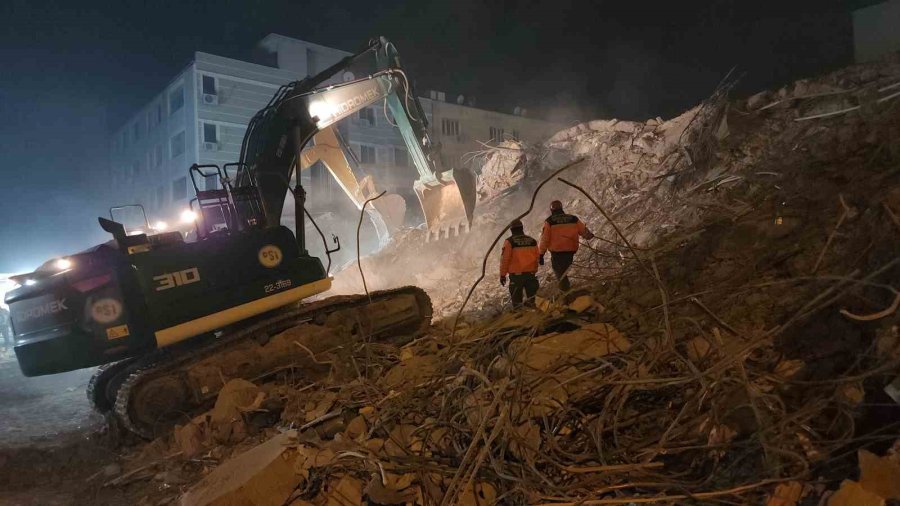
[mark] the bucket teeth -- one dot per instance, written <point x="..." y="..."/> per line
<point x="447" y="231"/>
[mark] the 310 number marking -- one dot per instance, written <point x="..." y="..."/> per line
<point x="173" y="279"/>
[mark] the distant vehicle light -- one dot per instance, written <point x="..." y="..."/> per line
<point x="63" y="264"/>
<point x="30" y="282"/>
<point x="188" y="216"/>
<point x="161" y="226"/>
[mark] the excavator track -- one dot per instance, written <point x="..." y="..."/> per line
<point x="101" y="389"/>
<point x="162" y="389"/>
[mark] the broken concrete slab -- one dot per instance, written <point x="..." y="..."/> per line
<point x="588" y="342"/>
<point x="879" y="475"/>
<point x="261" y="476"/>
<point x="852" y="493"/>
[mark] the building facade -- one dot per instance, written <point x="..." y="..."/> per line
<point x="202" y="114"/>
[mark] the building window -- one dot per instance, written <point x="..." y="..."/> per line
<point x="401" y="159"/>
<point x="496" y="134"/>
<point x="210" y="132"/>
<point x="157" y="155"/>
<point x="176" y="100"/>
<point x="209" y="85"/>
<point x="179" y="189"/>
<point x="136" y="129"/>
<point x="450" y="126"/>
<point x="176" y="144"/>
<point x="159" y="114"/>
<point x="367" y="115"/>
<point x="366" y="154"/>
<point x="125" y="138"/>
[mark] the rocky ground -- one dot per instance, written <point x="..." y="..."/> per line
<point x="38" y="410"/>
<point x="732" y="337"/>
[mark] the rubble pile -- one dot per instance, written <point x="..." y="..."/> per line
<point x="718" y="162"/>
<point x="732" y="336"/>
<point x="538" y="407"/>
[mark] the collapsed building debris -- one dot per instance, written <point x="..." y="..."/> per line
<point x="732" y="331"/>
<point x="720" y="348"/>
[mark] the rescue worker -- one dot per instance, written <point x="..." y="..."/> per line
<point x="519" y="260"/>
<point x="560" y="237"/>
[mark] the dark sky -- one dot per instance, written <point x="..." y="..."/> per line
<point x="70" y="72"/>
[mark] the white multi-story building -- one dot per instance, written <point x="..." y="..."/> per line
<point x="201" y="115"/>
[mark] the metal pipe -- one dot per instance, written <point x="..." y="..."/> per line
<point x="298" y="191"/>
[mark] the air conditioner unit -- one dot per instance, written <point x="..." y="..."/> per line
<point x="210" y="99"/>
<point x="211" y="146"/>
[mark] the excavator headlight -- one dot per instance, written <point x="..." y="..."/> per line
<point x="63" y="264"/>
<point x="160" y="226"/>
<point x="188" y="216"/>
<point x="321" y="111"/>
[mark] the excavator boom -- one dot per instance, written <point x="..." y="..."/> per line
<point x="304" y="110"/>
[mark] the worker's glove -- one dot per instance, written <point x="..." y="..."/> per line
<point x="502" y="280"/>
<point x="541" y="260"/>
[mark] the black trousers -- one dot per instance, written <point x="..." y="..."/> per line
<point x="520" y="284"/>
<point x="561" y="261"/>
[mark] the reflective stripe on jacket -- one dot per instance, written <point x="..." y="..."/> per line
<point x="520" y="255"/>
<point x="560" y="233"/>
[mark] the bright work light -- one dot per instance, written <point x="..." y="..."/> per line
<point x="188" y="216"/>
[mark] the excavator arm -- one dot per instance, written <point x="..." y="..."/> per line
<point x="301" y="111"/>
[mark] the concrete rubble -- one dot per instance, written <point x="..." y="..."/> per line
<point x="729" y="340"/>
<point x="263" y="475"/>
<point x="698" y="346"/>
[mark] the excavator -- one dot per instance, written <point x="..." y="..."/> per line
<point x="153" y="309"/>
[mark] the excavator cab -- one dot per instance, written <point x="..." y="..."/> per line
<point x="219" y="205"/>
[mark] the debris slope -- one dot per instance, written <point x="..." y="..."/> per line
<point x="732" y="336"/>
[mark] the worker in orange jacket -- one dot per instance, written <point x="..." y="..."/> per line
<point x="519" y="260"/>
<point x="560" y="236"/>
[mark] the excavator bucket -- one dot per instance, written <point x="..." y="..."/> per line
<point x="448" y="203"/>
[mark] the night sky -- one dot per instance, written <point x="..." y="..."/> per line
<point x="71" y="72"/>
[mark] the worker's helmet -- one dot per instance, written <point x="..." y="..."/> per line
<point x="516" y="224"/>
<point x="556" y="205"/>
